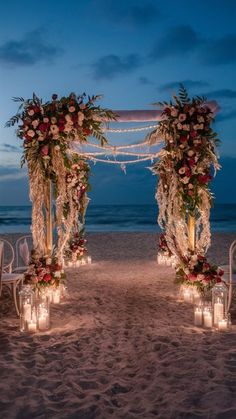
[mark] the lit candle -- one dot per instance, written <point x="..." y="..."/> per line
<point x="223" y="324"/>
<point x="27" y="312"/>
<point x="207" y="318"/>
<point x="198" y="316"/>
<point x="32" y="326"/>
<point x="89" y="260"/>
<point x="83" y="261"/>
<point x="218" y="312"/>
<point x="56" y="296"/>
<point x="70" y="264"/>
<point x="42" y="323"/>
<point x="187" y="295"/>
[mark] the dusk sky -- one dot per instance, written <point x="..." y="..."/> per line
<point x="134" y="52"/>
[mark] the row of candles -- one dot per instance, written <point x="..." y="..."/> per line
<point x="209" y="314"/>
<point x="35" y="307"/>
<point x="75" y="264"/>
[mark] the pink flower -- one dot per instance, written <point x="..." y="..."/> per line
<point x="44" y="150"/>
<point x="192" y="277"/>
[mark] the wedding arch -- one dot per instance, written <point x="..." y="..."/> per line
<point x="57" y="147"/>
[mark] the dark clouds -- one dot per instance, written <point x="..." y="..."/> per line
<point x="219" y="52"/>
<point x="110" y="66"/>
<point x="226" y="116"/>
<point x="178" y="41"/>
<point x="145" y="80"/>
<point x="184" y="41"/>
<point x="8" y="148"/>
<point x="28" y="51"/>
<point x="222" y="94"/>
<point x="188" y="83"/>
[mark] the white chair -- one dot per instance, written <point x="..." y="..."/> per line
<point x="8" y="256"/>
<point x="230" y="272"/>
<point x="24" y="245"/>
<point x="11" y="280"/>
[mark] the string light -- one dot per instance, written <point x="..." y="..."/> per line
<point x="121" y="130"/>
<point x="121" y="147"/>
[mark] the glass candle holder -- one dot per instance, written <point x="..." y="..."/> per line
<point x="219" y="302"/>
<point x="56" y="296"/>
<point x="26" y="301"/>
<point x="43" y="313"/>
<point x="207" y="316"/>
<point x="223" y="324"/>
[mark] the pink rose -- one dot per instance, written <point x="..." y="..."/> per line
<point x="44" y="150"/>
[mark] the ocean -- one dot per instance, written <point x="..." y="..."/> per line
<point x="17" y="219"/>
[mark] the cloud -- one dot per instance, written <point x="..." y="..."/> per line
<point x="145" y="81"/>
<point x="189" y="84"/>
<point x="220" y="51"/>
<point x="135" y="14"/>
<point x="222" y="94"/>
<point x="8" y="148"/>
<point x="178" y="41"/>
<point x="110" y="66"/>
<point x="30" y="50"/>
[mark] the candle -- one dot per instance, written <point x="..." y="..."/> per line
<point x="198" y="316"/>
<point x="42" y="323"/>
<point x="187" y="295"/>
<point x="69" y="264"/>
<point x="32" y="326"/>
<point x="218" y="312"/>
<point x="207" y="318"/>
<point x="56" y="296"/>
<point x="27" y="312"/>
<point x="83" y="261"/>
<point x="89" y="260"/>
<point x="223" y="324"/>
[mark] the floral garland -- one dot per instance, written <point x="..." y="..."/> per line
<point x="185" y="170"/>
<point x="48" y="131"/>
<point x="75" y="249"/>
<point x="44" y="272"/>
<point x="195" y="270"/>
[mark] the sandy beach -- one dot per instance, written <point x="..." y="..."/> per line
<point x="121" y="345"/>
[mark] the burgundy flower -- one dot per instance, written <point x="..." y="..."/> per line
<point x="47" y="278"/>
<point x="183" y="138"/>
<point x="193" y="133"/>
<point x="43" y="127"/>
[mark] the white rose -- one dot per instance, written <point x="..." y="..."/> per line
<point x="196" y="127"/>
<point x="55" y="136"/>
<point x="200" y="119"/>
<point x="54" y="129"/>
<point x="31" y="133"/>
<point x="174" y="112"/>
<point x="182" y="146"/>
<point x="57" y="274"/>
<point x="182" y="170"/>
<point x="186" y="127"/>
<point x="40" y="138"/>
<point x="200" y="277"/>
<point x="67" y="118"/>
<point x="46" y="120"/>
<point x="35" y="123"/>
<point x="57" y="147"/>
<point x="190" y="153"/>
<point x="190" y="186"/>
<point x="185" y="180"/>
<point x="67" y="128"/>
<point x="179" y="126"/>
<point x="31" y="112"/>
<point x="53" y="120"/>
<point x="201" y="126"/>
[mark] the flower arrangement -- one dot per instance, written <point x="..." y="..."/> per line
<point x="196" y="270"/>
<point x="75" y="249"/>
<point x="44" y="272"/>
<point x="185" y="169"/>
<point x="162" y="245"/>
<point x="53" y="125"/>
<point x="48" y="131"/>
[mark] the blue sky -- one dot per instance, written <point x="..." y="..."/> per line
<point x="134" y="53"/>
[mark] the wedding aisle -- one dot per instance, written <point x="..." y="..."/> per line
<point x="121" y="346"/>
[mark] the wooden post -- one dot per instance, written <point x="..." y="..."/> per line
<point x="191" y="232"/>
<point x="48" y="215"/>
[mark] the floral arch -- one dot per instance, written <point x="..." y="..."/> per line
<point x="57" y="149"/>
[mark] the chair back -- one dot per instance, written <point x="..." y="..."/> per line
<point x="8" y="256"/>
<point x="1" y="263"/>
<point x="232" y="268"/>
<point x="24" y="245"/>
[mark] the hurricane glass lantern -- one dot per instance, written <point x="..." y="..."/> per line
<point x="219" y="302"/>
<point x="26" y="302"/>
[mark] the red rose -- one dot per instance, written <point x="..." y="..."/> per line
<point x="206" y="266"/>
<point x="204" y="179"/>
<point x="193" y="133"/>
<point x="61" y="127"/>
<point x="220" y="272"/>
<point x="191" y="162"/>
<point x="43" y="127"/>
<point x="188" y="172"/>
<point x="183" y="138"/>
<point x="201" y="258"/>
<point x="47" y="278"/>
<point x="190" y="192"/>
<point x="218" y="279"/>
<point x="36" y="109"/>
<point x="86" y="131"/>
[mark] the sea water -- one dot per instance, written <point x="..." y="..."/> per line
<point x="14" y="219"/>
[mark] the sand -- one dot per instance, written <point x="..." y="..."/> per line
<point x="121" y="345"/>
